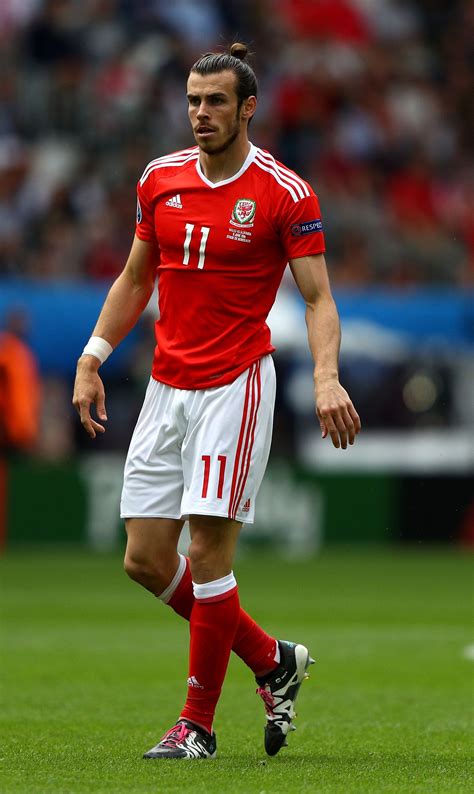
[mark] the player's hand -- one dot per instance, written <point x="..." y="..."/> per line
<point x="89" y="390"/>
<point x="337" y="416"/>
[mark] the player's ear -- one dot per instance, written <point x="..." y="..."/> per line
<point x="249" y="107"/>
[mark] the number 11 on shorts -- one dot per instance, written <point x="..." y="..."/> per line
<point x="206" y="459"/>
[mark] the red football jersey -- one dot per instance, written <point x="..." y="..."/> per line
<point x="222" y="250"/>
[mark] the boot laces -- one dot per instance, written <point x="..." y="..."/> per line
<point x="175" y="735"/>
<point x="268" y="699"/>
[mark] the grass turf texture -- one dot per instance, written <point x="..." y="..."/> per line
<point x="95" y="671"/>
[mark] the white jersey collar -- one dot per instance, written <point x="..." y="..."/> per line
<point x="247" y="162"/>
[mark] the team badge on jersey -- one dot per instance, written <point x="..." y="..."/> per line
<point x="139" y="212"/>
<point x="243" y="212"/>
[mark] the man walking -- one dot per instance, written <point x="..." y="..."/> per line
<point x="217" y="224"/>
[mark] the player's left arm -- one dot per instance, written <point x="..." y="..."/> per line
<point x="336" y="413"/>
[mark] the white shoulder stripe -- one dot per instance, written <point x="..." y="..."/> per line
<point x="167" y="163"/>
<point x="287" y="179"/>
<point x="284" y="169"/>
<point x="181" y="155"/>
<point x="265" y="167"/>
<point x="295" y="180"/>
<point x="172" y="155"/>
<point x="175" y="158"/>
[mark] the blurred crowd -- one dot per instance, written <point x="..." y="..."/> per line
<point x="370" y="100"/>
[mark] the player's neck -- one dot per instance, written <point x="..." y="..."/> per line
<point x="217" y="167"/>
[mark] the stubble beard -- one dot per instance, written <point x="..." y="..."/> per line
<point x="211" y="150"/>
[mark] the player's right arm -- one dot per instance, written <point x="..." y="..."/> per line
<point x="124" y="304"/>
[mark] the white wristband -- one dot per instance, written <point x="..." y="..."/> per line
<point x="99" y="348"/>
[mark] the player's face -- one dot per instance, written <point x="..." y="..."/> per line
<point x="214" y="112"/>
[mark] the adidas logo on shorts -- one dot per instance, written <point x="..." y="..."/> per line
<point x="175" y="202"/>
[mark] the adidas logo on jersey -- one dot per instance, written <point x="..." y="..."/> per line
<point x="246" y="506"/>
<point x="175" y="202"/>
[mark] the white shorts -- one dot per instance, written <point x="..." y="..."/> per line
<point x="201" y="451"/>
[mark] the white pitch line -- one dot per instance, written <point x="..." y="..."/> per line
<point x="468" y="652"/>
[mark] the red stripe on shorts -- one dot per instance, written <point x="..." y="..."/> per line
<point x="248" y="432"/>
<point x="247" y="446"/>
<point x="239" y="443"/>
<point x="251" y="435"/>
<point x="243" y="457"/>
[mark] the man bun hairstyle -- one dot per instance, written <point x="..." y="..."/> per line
<point x="239" y="50"/>
<point x="233" y="61"/>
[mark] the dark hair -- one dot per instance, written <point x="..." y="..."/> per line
<point x="233" y="61"/>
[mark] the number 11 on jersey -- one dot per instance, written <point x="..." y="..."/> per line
<point x="202" y="248"/>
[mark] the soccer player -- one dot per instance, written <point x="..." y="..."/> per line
<point x="216" y="224"/>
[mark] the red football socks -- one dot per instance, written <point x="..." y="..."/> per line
<point x="182" y="597"/>
<point x="254" y="646"/>
<point x="213" y="623"/>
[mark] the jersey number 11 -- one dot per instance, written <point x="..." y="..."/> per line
<point x="202" y="248"/>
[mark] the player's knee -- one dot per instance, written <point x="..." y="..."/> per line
<point x="198" y="553"/>
<point x="152" y="572"/>
<point x="212" y="548"/>
<point x="138" y="568"/>
<point x="208" y="561"/>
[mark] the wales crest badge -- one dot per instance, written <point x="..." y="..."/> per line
<point x="244" y="212"/>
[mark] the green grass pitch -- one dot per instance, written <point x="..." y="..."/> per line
<point x="94" y="671"/>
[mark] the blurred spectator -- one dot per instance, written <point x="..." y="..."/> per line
<point x="19" y="387"/>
